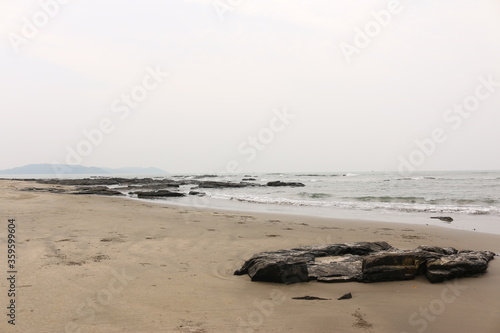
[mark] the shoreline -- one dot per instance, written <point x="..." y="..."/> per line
<point x="106" y="264"/>
<point x="472" y="223"/>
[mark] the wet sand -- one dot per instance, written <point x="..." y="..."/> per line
<point x="109" y="264"/>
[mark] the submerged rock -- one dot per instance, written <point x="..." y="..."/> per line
<point x="280" y="183"/>
<point x="199" y="194"/>
<point x="157" y="194"/>
<point x="364" y="262"/>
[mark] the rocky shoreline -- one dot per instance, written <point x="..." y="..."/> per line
<point x="143" y="187"/>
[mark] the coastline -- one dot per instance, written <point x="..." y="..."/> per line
<point x="94" y="263"/>
<point x="472" y="223"/>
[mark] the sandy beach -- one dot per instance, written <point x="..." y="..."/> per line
<point x="109" y="264"/>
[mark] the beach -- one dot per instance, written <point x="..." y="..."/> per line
<point x="91" y="263"/>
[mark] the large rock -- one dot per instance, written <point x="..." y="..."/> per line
<point x="394" y="266"/>
<point x="464" y="263"/>
<point x="363" y="262"/>
<point x="299" y="264"/>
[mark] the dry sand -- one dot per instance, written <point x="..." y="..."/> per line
<point x="107" y="264"/>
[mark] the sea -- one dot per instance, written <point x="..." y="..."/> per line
<point x="470" y="198"/>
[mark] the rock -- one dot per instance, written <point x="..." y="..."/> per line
<point x="363" y="262"/>
<point x="458" y="265"/>
<point x="249" y="179"/>
<point x="312" y="298"/>
<point x="443" y="218"/>
<point x="290" y="266"/>
<point x="276" y="268"/>
<point x="346" y="296"/>
<point x="394" y="266"/>
<point x="97" y="190"/>
<point x="280" y="183"/>
<point x="215" y="184"/>
<point x="157" y="194"/>
<point x="341" y="269"/>
<point x="200" y="194"/>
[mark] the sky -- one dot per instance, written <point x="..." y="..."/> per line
<point x="215" y="86"/>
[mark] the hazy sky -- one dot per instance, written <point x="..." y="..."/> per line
<point x="252" y="85"/>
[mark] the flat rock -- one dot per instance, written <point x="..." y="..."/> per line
<point x="443" y="218"/>
<point x="158" y="194"/>
<point x="280" y="183"/>
<point x="96" y="190"/>
<point x="311" y="298"/>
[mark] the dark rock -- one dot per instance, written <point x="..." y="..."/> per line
<point x="157" y="194"/>
<point x="437" y="249"/>
<point x="458" y="265"/>
<point x="341" y="269"/>
<point x="280" y="183"/>
<point x="290" y="266"/>
<point x="311" y="298"/>
<point x="278" y="269"/>
<point x="249" y="179"/>
<point x="215" y="184"/>
<point x="200" y="194"/>
<point x="97" y="190"/>
<point x="363" y="262"/>
<point x="394" y="266"/>
<point x="443" y="218"/>
<point x="346" y="296"/>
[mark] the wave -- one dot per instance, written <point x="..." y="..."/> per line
<point x="315" y="195"/>
<point x="422" y="200"/>
<point x="369" y="205"/>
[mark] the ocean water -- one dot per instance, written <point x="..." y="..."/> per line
<point x="472" y="198"/>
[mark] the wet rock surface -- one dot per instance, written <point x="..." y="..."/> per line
<point x="144" y="187"/>
<point x="280" y="183"/>
<point x="364" y="262"/>
<point x="158" y="194"/>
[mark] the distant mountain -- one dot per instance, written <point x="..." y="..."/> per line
<point x="58" y="169"/>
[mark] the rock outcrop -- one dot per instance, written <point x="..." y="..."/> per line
<point x="364" y="262"/>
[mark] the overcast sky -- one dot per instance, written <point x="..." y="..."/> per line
<point x="252" y="85"/>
